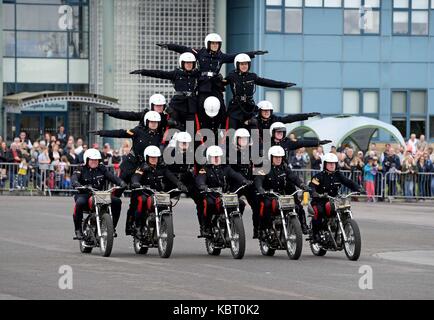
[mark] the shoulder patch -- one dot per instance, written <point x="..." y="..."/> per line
<point x="315" y="181"/>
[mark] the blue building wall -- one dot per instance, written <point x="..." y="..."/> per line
<point x="323" y="61"/>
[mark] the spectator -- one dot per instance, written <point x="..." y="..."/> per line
<point x="55" y="154"/>
<point x="298" y="161"/>
<point x="43" y="162"/>
<point x="315" y="162"/>
<point x="391" y="167"/>
<point x="370" y="172"/>
<point x="333" y="150"/>
<point x="72" y="157"/>
<point x="80" y="156"/>
<point x="424" y="183"/>
<point x="116" y="161"/>
<point x="22" y="174"/>
<point x="409" y="169"/>
<point x="61" y="136"/>
<point x="422" y="145"/>
<point x="341" y="163"/>
<point x="431" y="154"/>
<point x="61" y="169"/>
<point x="412" y="144"/>
<point x="349" y="154"/>
<point x="386" y="152"/>
<point x="47" y="138"/>
<point x="14" y="157"/>
<point x="400" y="153"/>
<point x="357" y="166"/>
<point x="107" y="155"/>
<point x="4" y="158"/>
<point x="25" y="139"/>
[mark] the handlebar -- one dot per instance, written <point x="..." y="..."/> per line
<point x="220" y="190"/>
<point x="339" y="196"/>
<point x="271" y="192"/>
<point x="155" y="191"/>
<point x="93" y="190"/>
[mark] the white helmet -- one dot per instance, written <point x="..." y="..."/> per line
<point x="152" y="151"/>
<point x="183" y="137"/>
<point x="241" y="133"/>
<point x="151" y="116"/>
<point x="156" y="99"/>
<point x="187" y="57"/>
<point x="212" y="37"/>
<point x="92" y="154"/>
<point x="331" y="157"/>
<point x="242" y="57"/>
<point x="265" y="105"/>
<point x="211" y="106"/>
<point x="214" y="151"/>
<point x="277" y="126"/>
<point x="276" y="151"/>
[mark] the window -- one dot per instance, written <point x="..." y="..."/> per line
<point x="292" y="101"/>
<point x="287" y="101"/>
<point x="431" y="127"/>
<point x="409" y="112"/>
<point x="284" y="16"/>
<point x="323" y="3"/>
<point x="411" y="17"/>
<point x="361" y="102"/>
<point x="274" y="98"/>
<point x="361" y="17"/>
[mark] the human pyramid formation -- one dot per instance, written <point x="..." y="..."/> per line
<point x="198" y="105"/>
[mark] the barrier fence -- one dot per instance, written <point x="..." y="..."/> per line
<point x="56" y="179"/>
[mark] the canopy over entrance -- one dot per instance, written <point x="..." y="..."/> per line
<point x="338" y="129"/>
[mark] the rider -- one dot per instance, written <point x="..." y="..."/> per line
<point x="280" y="179"/>
<point x="142" y="137"/>
<point x="157" y="102"/>
<point x="328" y="181"/>
<point x="151" y="174"/>
<point x="210" y="60"/>
<point x="241" y="146"/>
<point x="93" y="174"/>
<point x="266" y="117"/>
<point x="215" y="175"/>
<point x="183" y="105"/>
<point x="242" y="108"/>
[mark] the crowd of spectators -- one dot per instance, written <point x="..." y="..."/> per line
<point x="55" y="156"/>
<point x="402" y="168"/>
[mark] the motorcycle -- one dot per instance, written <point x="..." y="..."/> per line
<point x="339" y="232"/>
<point x="285" y="233"/>
<point x="157" y="229"/>
<point x="98" y="230"/>
<point x="227" y="228"/>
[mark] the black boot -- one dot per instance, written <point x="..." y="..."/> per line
<point x="79" y="235"/>
<point x="129" y="226"/>
<point x="255" y="233"/>
<point x="302" y="218"/>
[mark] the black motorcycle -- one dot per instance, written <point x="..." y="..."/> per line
<point x="338" y="232"/>
<point x="98" y="230"/>
<point x="227" y="228"/>
<point x="285" y="232"/>
<point x="157" y="229"/>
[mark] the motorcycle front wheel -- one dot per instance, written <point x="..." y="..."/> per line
<point x="107" y="231"/>
<point x="353" y="246"/>
<point x="165" y="242"/>
<point x="238" y="241"/>
<point x="294" y="240"/>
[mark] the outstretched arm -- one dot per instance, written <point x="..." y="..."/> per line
<point x="273" y="83"/>
<point x="167" y="75"/>
<point x="177" y="48"/>
<point x="297" y="117"/>
<point x="125" y="115"/>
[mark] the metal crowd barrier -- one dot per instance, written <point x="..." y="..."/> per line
<point x="416" y="186"/>
<point x="55" y="180"/>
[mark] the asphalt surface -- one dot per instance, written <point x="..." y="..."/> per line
<point x="36" y="241"/>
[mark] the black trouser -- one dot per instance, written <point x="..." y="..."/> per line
<point x="211" y="205"/>
<point x="300" y="210"/>
<point x="252" y="200"/>
<point x="83" y="202"/>
<point x="181" y="118"/>
<point x="322" y="210"/>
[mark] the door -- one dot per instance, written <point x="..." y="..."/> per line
<point x="30" y="123"/>
<point x="52" y="122"/>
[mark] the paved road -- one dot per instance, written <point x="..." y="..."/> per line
<point x="36" y="240"/>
